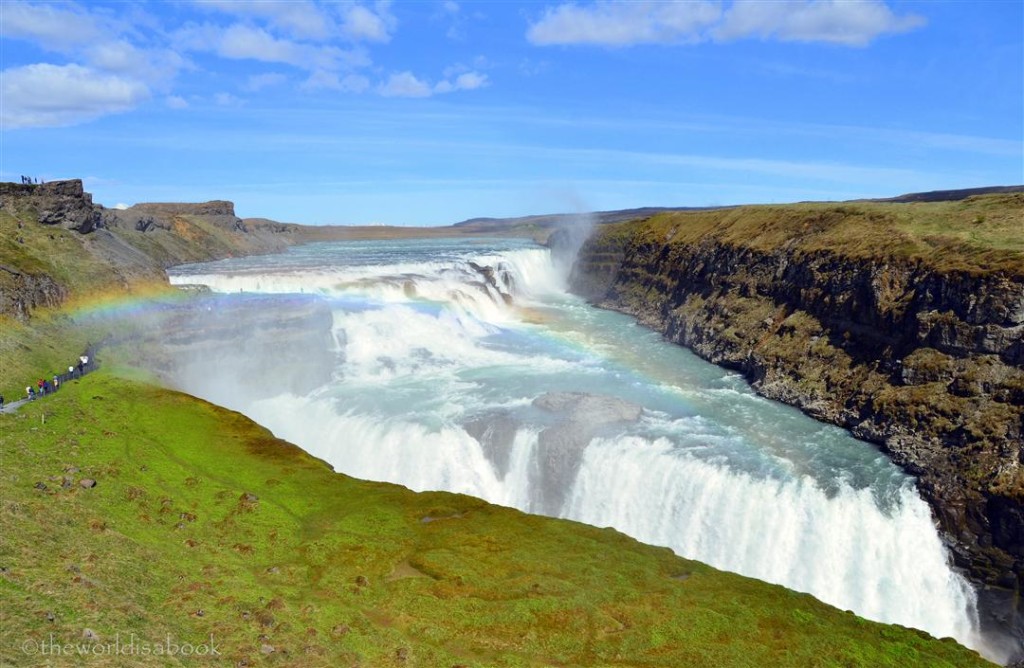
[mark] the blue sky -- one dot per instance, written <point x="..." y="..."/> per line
<point x="432" y="112"/>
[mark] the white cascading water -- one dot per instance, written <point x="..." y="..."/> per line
<point x="429" y="338"/>
<point x="886" y="567"/>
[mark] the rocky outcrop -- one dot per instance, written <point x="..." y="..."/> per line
<point x="570" y="421"/>
<point x="925" y="360"/>
<point x="21" y="293"/>
<point x="60" y="203"/>
<point x="560" y="447"/>
<point x="154" y="216"/>
<point x="112" y="246"/>
<point x="496" y="432"/>
<point x="211" y="208"/>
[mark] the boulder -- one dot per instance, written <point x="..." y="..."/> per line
<point x="560" y="447"/>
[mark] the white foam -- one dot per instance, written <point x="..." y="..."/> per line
<point x="841" y="548"/>
<point x="523" y="275"/>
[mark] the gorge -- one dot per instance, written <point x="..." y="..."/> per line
<point x="460" y="363"/>
<point x="870" y="316"/>
<point x="464" y="366"/>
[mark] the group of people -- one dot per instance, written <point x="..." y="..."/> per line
<point x="44" y="386"/>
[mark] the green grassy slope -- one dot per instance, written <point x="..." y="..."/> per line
<point x="202" y="524"/>
<point x="978" y="234"/>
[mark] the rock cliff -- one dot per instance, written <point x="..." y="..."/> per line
<point x="22" y="292"/>
<point x="58" y="243"/>
<point x="60" y="203"/>
<point x="861" y="316"/>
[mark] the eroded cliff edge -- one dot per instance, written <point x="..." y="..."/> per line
<point x="55" y="243"/>
<point x="901" y="322"/>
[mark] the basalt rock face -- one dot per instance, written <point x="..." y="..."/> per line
<point x="560" y="447"/>
<point x="156" y="215"/>
<point x="570" y="421"/>
<point x="211" y="208"/>
<point x="22" y="292"/>
<point x="183" y="232"/>
<point x="61" y="203"/>
<point x="928" y="363"/>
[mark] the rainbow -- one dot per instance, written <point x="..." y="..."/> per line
<point x="115" y="304"/>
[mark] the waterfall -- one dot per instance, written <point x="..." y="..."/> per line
<point x="437" y="345"/>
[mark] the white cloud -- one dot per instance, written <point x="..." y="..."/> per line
<point x="451" y="13"/>
<point x="470" y="81"/>
<point x="245" y="42"/>
<point x="53" y="26"/>
<point x="156" y="67"/>
<point x="97" y="40"/>
<point x="847" y="22"/>
<point x="305" y="20"/>
<point x="257" y="82"/>
<point x="405" y="84"/>
<point x="625" y="23"/>
<point x="227" y="100"/>
<point x="359" y="22"/>
<point x="111" y="64"/>
<point x="120" y="206"/>
<point x="176" y="102"/>
<point x="298" y="18"/>
<point x="49" y="95"/>
<point x="350" y="83"/>
<point x="116" y="55"/>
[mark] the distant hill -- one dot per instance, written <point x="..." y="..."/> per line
<point x="550" y="220"/>
<point x="951" y="195"/>
<point x="555" y="219"/>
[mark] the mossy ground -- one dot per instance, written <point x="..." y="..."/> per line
<point x="332" y="571"/>
<point x="979" y="234"/>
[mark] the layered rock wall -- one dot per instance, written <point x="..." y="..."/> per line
<point x="58" y="203"/>
<point x="925" y="362"/>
